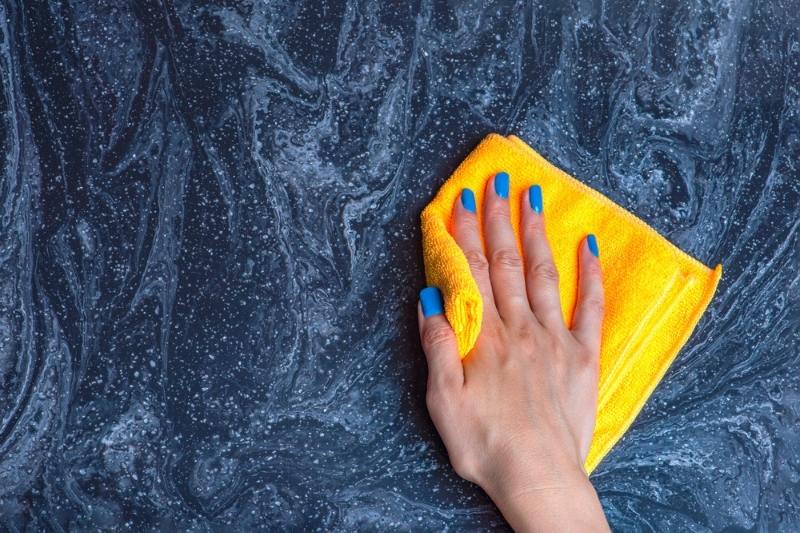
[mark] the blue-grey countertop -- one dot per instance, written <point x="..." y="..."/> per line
<point x="210" y="251"/>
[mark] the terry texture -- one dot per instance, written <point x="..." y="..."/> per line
<point x="655" y="293"/>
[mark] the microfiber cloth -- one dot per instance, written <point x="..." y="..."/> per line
<point x="655" y="293"/>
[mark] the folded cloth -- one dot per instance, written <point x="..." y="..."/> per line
<point x="655" y="293"/>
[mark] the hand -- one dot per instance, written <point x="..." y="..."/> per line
<point x="517" y="414"/>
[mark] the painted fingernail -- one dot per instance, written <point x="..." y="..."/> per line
<point x="431" y="300"/>
<point x="591" y="240"/>
<point x="468" y="200"/>
<point x="535" y="198"/>
<point x="501" y="183"/>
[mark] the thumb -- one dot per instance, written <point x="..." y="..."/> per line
<point x="438" y="342"/>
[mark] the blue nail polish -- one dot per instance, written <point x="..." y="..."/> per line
<point x="501" y="183"/>
<point x="591" y="240"/>
<point x="535" y="198"/>
<point x="468" y="200"/>
<point x="431" y="300"/>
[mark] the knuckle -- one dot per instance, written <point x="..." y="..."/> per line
<point x="497" y="214"/>
<point x="464" y="465"/>
<point x="439" y="384"/>
<point x="498" y="338"/>
<point x="436" y="335"/>
<point x="556" y="349"/>
<point x="507" y="258"/>
<point x="545" y="271"/>
<point x="593" y="269"/>
<point x="536" y="226"/>
<point x="587" y="361"/>
<point x="435" y="400"/>
<point x="476" y="260"/>
<point x="432" y="399"/>
<point x="471" y="223"/>
<point x="526" y="331"/>
<point x="554" y="346"/>
<point x="595" y="304"/>
<point x="442" y="397"/>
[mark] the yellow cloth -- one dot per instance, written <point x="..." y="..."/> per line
<point x="655" y="293"/>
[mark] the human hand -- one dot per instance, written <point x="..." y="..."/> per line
<point x="518" y="413"/>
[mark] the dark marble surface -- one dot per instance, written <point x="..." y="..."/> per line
<point x="210" y="251"/>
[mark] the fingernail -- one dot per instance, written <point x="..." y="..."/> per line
<point x="501" y="182"/>
<point x="591" y="240"/>
<point x="468" y="200"/>
<point x="431" y="300"/>
<point x="535" y="198"/>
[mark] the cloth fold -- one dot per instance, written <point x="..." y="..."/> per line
<point x="655" y="293"/>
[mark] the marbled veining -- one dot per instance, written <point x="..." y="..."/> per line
<point x="210" y="251"/>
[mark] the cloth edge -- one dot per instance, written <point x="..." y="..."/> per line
<point x="595" y="458"/>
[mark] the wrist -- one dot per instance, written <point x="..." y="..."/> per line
<point x="524" y="465"/>
<point x="568" y="508"/>
<point x="532" y="486"/>
<point x="517" y="479"/>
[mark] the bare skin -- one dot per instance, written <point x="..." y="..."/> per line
<point x="517" y="414"/>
